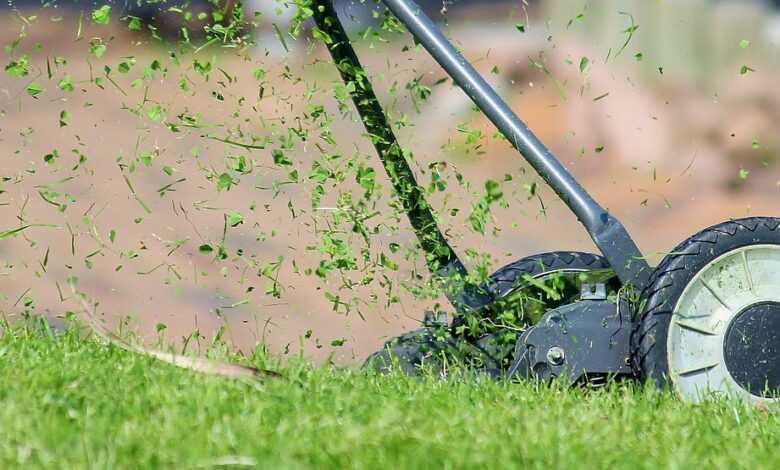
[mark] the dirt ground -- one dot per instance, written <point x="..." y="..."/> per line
<point x="663" y="156"/>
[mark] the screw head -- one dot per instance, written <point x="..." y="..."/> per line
<point x="556" y="355"/>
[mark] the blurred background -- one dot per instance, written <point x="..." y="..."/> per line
<point x="134" y="148"/>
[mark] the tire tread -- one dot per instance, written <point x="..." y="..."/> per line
<point x="648" y="349"/>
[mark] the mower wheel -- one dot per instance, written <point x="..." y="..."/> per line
<point x="510" y="278"/>
<point x="427" y="347"/>
<point x="710" y="316"/>
<point x="430" y="346"/>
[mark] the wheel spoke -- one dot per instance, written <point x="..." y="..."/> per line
<point x="698" y="327"/>
<point x="695" y="369"/>
<point x="748" y="275"/>
<point x="715" y="294"/>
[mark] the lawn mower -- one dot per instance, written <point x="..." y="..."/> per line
<point x="705" y="321"/>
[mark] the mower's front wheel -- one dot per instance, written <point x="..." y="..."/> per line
<point x="710" y="316"/>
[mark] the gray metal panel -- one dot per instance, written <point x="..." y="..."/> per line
<point x="576" y="340"/>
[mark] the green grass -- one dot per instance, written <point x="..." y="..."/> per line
<point x="67" y="402"/>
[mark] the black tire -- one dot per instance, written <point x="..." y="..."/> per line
<point x="505" y="279"/>
<point x="667" y="283"/>
<point x="413" y="350"/>
<point x="423" y="346"/>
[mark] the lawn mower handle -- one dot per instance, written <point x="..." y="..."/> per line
<point x="607" y="232"/>
<point x="441" y="258"/>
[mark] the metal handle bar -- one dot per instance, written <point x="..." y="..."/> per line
<point x="440" y="256"/>
<point x="607" y="232"/>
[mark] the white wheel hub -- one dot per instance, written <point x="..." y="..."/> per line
<point x="720" y="324"/>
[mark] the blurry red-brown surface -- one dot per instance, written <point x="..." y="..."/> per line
<point x="672" y="133"/>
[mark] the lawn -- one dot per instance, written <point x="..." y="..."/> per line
<point x="70" y="402"/>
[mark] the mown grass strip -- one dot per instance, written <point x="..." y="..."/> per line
<point x="71" y="402"/>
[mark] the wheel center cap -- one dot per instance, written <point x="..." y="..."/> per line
<point x="752" y="349"/>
